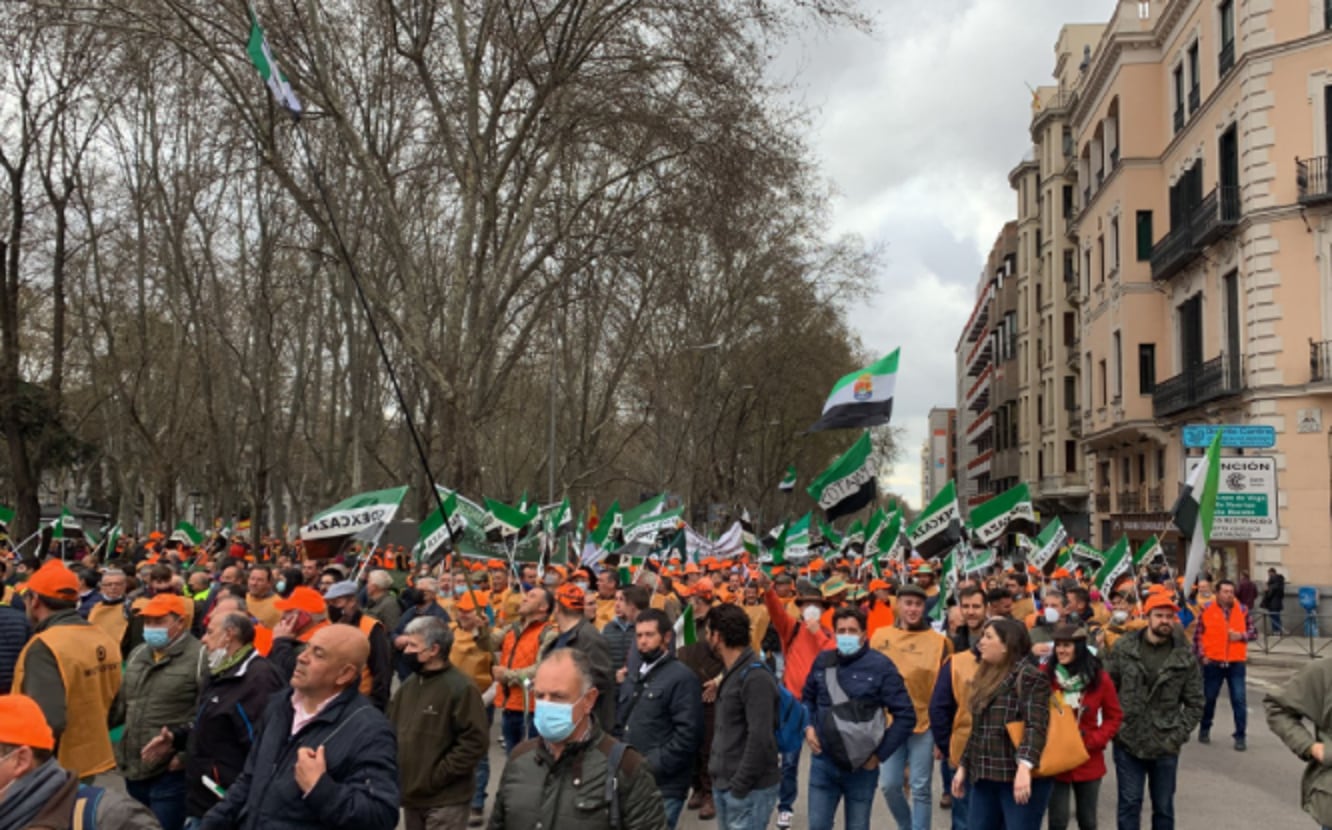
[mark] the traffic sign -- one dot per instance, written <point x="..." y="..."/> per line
<point x="1233" y="436"/>
<point x="1246" y="498"/>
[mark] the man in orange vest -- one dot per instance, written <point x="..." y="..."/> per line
<point x="518" y="658"/>
<point x="377" y="676"/>
<point x="1221" y="642"/>
<point x="64" y="645"/>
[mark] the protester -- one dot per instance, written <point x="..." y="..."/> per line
<point x="1160" y="690"/>
<point x="473" y="653"/>
<point x="343" y="607"/>
<point x="971" y="609"/>
<point x="36" y="792"/>
<point x="918" y="653"/>
<point x="325" y="757"/>
<point x="1221" y="639"/>
<point x="160" y="693"/>
<point x="619" y="632"/>
<point x="573" y="630"/>
<point x="744" y="760"/>
<point x="518" y="658"/>
<point x="707" y="666"/>
<point x="661" y="711"/>
<point x="14" y="633"/>
<point x="1007" y="687"/>
<point x="1076" y="678"/>
<point x="857" y="672"/>
<point x="442" y="732"/>
<point x="382" y="604"/>
<point x="422" y="600"/>
<point x="1305" y="697"/>
<point x="574" y="777"/>
<point x="64" y="645"/>
<point x="89" y="596"/>
<point x="950" y="717"/>
<point x="260" y="598"/>
<point x="303" y="615"/>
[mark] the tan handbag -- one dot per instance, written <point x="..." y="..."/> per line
<point x="1064" y="749"/>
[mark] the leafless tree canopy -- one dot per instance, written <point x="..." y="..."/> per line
<point x="591" y="213"/>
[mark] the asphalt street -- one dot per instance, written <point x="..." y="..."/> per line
<point x="1218" y="788"/>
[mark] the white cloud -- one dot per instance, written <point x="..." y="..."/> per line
<point x="917" y="127"/>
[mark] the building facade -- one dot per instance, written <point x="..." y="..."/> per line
<point x="938" y="462"/>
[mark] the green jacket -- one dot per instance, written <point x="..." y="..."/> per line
<point x="569" y="793"/>
<point x="154" y="694"/>
<point x="442" y="736"/>
<point x="1307" y="696"/>
<point x="1159" y="713"/>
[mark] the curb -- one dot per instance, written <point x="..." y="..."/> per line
<point x="1281" y="660"/>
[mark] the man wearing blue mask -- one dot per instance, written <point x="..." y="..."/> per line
<point x="845" y="695"/>
<point x="159" y="695"/>
<point x="574" y="776"/>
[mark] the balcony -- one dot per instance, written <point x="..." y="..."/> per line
<point x="1216" y="216"/>
<point x="1311" y="176"/>
<point x="1195" y="98"/>
<point x="1102" y="501"/>
<point x="1320" y="359"/>
<point x="1226" y="59"/>
<point x="1114" y="158"/>
<point x="1129" y="501"/>
<point x="1198" y="384"/>
<point x="1179" y="117"/>
<point x="1075" y="422"/>
<point x="1213" y="218"/>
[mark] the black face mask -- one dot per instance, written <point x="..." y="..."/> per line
<point x="334" y="613"/>
<point x="650" y="657"/>
<point x="411" y="596"/>
<point x="413" y="662"/>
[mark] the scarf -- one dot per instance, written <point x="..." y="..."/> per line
<point x="30" y="794"/>
<point x="241" y="654"/>
<point x="1071" y="685"/>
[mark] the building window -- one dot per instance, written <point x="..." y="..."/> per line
<point x="1146" y="368"/>
<point x="1125" y="471"/>
<point x="1144" y="230"/>
<point x="1114" y="243"/>
<point x="1068" y="193"/>
<point x="1070" y="273"/>
<point x="1142" y="468"/>
<point x="1226" y="58"/>
<point x="1070" y="456"/>
<point x="1178" y="83"/>
<point x="1100" y="255"/>
<point x="1195" y="86"/>
<point x="1327" y="14"/>
<point x="1119" y="367"/>
<point x="1068" y="135"/>
<point x="1104" y="377"/>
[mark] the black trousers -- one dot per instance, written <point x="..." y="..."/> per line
<point x="1084" y="793"/>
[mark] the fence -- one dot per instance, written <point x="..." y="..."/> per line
<point x="1294" y="631"/>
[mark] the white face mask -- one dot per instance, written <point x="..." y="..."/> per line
<point x="812" y="613"/>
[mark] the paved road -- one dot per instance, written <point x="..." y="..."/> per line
<point x="1219" y="788"/>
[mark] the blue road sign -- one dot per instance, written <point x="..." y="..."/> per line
<point x="1234" y="436"/>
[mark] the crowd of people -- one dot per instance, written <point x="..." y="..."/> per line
<point x="240" y="689"/>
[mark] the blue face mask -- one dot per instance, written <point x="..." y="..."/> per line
<point x="554" y="721"/>
<point x="459" y="590"/>
<point x="281" y="587"/>
<point x="848" y="644"/>
<point x="156" y="637"/>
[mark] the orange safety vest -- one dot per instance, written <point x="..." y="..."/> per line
<point x="89" y="664"/>
<point x="110" y="618"/>
<point x="367" y="625"/>
<point x="1216" y="627"/>
<point x="880" y="616"/>
<point x="470" y="659"/>
<point x="963" y="667"/>
<point x="520" y="652"/>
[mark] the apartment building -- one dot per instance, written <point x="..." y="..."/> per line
<point x="938" y="460"/>
<point x="988" y="453"/>
<point x="1203" y="264"/>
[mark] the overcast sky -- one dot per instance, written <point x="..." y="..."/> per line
<point x="916" y="127"/>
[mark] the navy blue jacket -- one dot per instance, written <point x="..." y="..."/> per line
<point x="662" y="718"/>
<point x="14" y="634"/>
<point x="943" y="708"/>
<point x="358" y="792"/>
<point x="865" y="675"/>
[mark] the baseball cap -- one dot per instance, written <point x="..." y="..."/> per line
<point x="1159" y="600"/>
<point x="911" y="589"/>
<point x="570" y="596"/>
<point x="22" y="723"/>
<point x="471" y="601"/>
<point x="162" y="604"/>
<point x="55" y="581"/>
<point x="302" y="598"/>
<point x="338" y="590"/>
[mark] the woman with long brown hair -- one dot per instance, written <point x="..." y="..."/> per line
<point x="1008" y="686"/>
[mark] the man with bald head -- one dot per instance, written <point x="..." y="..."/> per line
<point x="325" y="756"/>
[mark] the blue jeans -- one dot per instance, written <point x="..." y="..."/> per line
<point x="1159" y="775"/>
<point x="516" y="728"/>
<point x="164" y="795"/>
<point x="790" y="786"/>
<point x="483" y="767"/>
<point x="992" y="806"/>
<point x="1231" y="674"/>
<point x="749" y="813"/>
<point x="959" y="811"/>
<point x="829" y="784"/>
<point x="673" y="808"/>
<point x="918" y="753"/>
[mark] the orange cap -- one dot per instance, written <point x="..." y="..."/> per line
<point x="570" y="596"/>
<point x="703" y="588"/>
<point x="162" y="604"/>
<point x="691" y="568"/>
<point x="1060" y="573"/>
<point x="1159" y="601"/>
<point x="879" y="585"/>
<point x="55" y="581"/>
<point x="816" y="565"/>
<point x="22" y="723"/>
<point x="1158" y="588"/>
<point x="302" y="599"/>
<point x="472" y="601"/>
<point x="496" y="565"/>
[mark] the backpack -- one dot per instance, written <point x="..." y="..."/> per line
<point x="791" y="715"/>
<point x="86" y="801"/>
<point x="852" y="729"/>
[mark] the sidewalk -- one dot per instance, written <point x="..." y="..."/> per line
<point x="1292" y="650"/>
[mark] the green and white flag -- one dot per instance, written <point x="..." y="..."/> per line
<point x="788" y="483"/>
<point x="980" y="561"/>
<point x="947" y="582"/>
<point x="187" y="534"/>
<point x="1194" y="509"/>
<point x="849" y="484"/>
<point x="1048" y="543"/>
<point x="991" y="519"/>
<point x="61" y="527"/>
<point x="434" y="530"/>
<point x="112" y="539"/>
<point x="685" y="633"/>
<point x="262" y="58"/>
<point x="1118" y="561"/>
<point x="505" y="521"/>
<point x="605" y="538"/>
<point x="854" y="537"/>
<point x="647" y="528"/>
<point x="560" y="521"/>
<point x="6" y="516"/>
<point x="939" y="526"/>
<point x="1087" y="556"/>
<point x="1150" y="551"/>
<point x="361" y="516"/>
<point x="796" y="539"/>
<point x="863" y="398"/>
<point x="830" y="537"/>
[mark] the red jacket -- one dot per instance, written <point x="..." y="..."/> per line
<point x="800" y="648"/>
<point x="1100" y="721"/>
